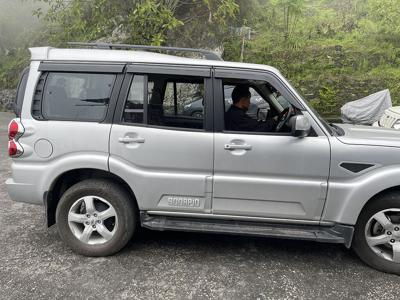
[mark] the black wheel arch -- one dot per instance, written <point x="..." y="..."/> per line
<point x="393" y="189"/>
<point x="67" y="179"/>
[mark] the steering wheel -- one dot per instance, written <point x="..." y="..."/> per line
<point x="284" y="116"/>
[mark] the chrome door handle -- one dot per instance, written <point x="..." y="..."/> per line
<point x="128" y="140"/>
<point x="237" y="147"/>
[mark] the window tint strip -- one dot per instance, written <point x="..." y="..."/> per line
<point x="170" y="69"/>
<point x="81" y="67"/>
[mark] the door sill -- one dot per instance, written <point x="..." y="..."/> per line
<point x="236" y="217"/>
<point x="341" y="234"/>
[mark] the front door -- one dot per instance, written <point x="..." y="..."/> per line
<point x="265" y="174"/>
<point x="160" y="142"/>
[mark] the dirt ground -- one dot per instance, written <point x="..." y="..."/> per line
<point x="35" y="264"/>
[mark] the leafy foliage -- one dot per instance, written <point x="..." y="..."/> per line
<point x="137" y="21"/>
<point x="333" y="51"/>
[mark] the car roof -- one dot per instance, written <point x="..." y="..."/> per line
<point x="132" y="56"/>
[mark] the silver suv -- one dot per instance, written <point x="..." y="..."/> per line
<point x="101" y="138"/>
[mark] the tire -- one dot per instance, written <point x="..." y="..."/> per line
<point x="377" y="233"/>
<point x="197" y="114"/>
<point x="96" y="217"/>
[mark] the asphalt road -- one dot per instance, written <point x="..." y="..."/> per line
<point x="35" y="264"/>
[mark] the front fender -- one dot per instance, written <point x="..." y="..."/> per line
<point x="345" y="200"/>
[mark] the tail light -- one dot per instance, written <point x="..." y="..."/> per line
<point x="14" y="149"/>
<point x="15" y="131"/>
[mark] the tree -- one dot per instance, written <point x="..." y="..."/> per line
<point x="383" y="19"/>
<point x="145" y="21"/>
<point x="199" y="22"/>
<point x="291" y="10"/>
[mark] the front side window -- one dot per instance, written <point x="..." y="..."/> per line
<point x="258" y="107"/>
<point x="252" y="106"/>
<point x="77" y="96"/>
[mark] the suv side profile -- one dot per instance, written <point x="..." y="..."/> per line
<point x="102" y="139"/>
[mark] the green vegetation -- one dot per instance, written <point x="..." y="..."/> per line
<point x="333" y="51"/>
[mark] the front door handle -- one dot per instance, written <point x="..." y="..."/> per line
<point x="231" y="147"/>
<point x="129" y="140"/>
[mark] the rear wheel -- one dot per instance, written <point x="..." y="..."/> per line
<point x="377" y="233"/>
<point x="96" y="217"/>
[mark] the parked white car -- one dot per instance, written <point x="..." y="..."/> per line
<point x="390" y="119"/>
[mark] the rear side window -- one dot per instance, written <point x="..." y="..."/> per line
<point x="76" y="96"/>
<point x="181" y="95"/>
<point x="168" y="101"/>
<point x="176" y="102"/>
<point x="19" y="99"/>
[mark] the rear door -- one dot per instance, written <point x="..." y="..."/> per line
<point x="165" y="154"/>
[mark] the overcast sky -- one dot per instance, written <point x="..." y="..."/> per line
<point x="16" y="19"/>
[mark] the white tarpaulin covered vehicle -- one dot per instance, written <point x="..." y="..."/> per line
<point x="368" y="110"/>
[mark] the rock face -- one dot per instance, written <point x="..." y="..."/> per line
<point x="7" y="99"/>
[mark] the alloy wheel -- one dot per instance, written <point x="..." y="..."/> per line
<point x="93" y="220"/>
<point x="382" y="234"/>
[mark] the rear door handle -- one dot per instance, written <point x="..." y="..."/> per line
<point x="128" y="140"/>
<point x="237" y="147"/>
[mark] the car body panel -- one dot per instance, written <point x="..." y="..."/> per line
<point x="281" y="176"/>
<point x="348" y="191"/>
<point x="169" y="163"/>
<point x="368" y="135"/>
<point x="52" y="148"/>
<point x="31" y="180"/>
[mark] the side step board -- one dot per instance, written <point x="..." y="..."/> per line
<point x="341" y="234"/>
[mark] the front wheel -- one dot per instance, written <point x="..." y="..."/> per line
<point x="96" y="217"/>
<point x="377" y="233"/>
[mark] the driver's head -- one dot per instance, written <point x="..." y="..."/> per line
<point x="241" y="96"/>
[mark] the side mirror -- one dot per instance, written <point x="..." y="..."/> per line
<point x="300" y="126"/>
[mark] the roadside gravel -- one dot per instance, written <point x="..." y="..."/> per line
<point x="35" y="264"/>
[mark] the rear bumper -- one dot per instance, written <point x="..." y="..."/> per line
<point x="23" y="192"/>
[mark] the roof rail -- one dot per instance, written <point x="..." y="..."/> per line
<point x="207" y="53"/>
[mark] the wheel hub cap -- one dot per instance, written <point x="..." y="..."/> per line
<point x="92" y="220"/>
<point x="383" y="235"/>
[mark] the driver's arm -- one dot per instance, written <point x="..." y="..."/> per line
<point x="268" y="125"/>
<point x="247" y="123"/>
<point x="239" y="121"/>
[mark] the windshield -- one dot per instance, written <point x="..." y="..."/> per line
<point x="321" y="119"/>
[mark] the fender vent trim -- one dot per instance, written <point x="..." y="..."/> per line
<point x="355" y="167"/>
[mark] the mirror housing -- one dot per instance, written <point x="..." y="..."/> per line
<point x="301" y="126"/>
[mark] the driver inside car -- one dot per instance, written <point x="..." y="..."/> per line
<point x="236" y="118"/>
